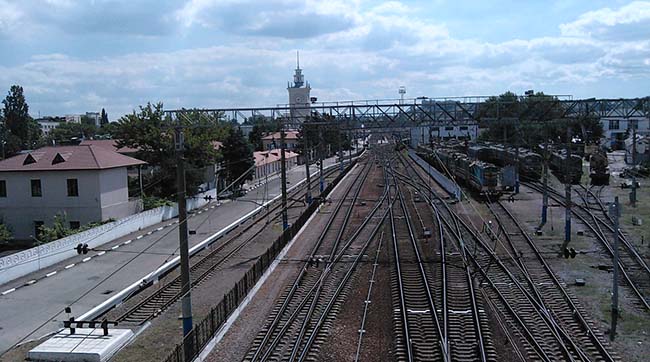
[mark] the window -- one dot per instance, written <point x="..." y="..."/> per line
<point x="449" y="128"/>
<point x="463" y="128"/>
<point x="435" y="129"/>
<point x="73" y="187"/>
<point x="36" y="188"/>
<point x="633" y="124"/>
<point x="3" y="188"/>
<point x="74" y="225"/>
<point x="37" y="228"/>
<point x="613" y="124"/>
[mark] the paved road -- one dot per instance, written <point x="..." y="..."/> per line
<point x="25" y="312"/>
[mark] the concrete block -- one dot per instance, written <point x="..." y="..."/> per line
<point x="86" y="345"/>
<point x="580" y="282"/>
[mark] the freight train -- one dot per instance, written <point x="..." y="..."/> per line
<point x="566" y="169"/>
<point x="479" y="176"/>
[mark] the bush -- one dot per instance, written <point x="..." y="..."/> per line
<point x="5" y="234"/>
<point x="152" y="202"/>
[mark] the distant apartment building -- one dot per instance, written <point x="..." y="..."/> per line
<point x="47" y="124"/>
<point x="86" y="183"/>
<point x="272" y="141"/>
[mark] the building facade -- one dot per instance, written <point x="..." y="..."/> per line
<point x="268" y="163"/>
<point x="272" y="141"/>
<point x="83" y="183"/>
<point x="617" y="129"/>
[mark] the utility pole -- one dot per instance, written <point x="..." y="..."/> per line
<point x="306" y="154"/>
<point x="545" y="182"/>
<point x="633" y="191"/>
<point x="186" y="300"/>
<point x="283" y="168"/>
<point x="320" y="161"/>
<point x="567" y="193"/>
<point x="340" y="138"/>
<point x="614" y="212"/>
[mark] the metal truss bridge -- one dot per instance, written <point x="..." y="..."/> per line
<point x="423" y="112"/>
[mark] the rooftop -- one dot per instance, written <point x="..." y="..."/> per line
<point x="109" y="144"/>
<point x="288" y="135"/>
<point x="264" y="157"/>
<point x="66" y="158"/>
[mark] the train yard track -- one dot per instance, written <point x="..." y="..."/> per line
<point x="546" y="322"/>
<point x="635" y="273"/>
<point x="204" y="266"/>
<point x="297" y="325"/>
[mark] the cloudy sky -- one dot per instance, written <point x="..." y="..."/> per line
<point x="77" y="56"/>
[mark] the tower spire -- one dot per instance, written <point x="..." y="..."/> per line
<point x="298" y="59"/>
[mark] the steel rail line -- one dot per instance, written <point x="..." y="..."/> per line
<point x="294" y="288"/>
<point x="564" y="334"/>
<point x="468" y="276"/>
<point x="549" y="272"/>
<point x="602" y="238"/>
<point x="170" y="292"/>
<point x="443" y="343"/>
<point x="540" y="311"/>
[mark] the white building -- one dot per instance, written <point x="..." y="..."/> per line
<point x="420" y="135"/>
<point x="299" y="95"/>
<point x="616" y="129"/>
<point x="47" y="126"/>
<point x="86" y="183"/>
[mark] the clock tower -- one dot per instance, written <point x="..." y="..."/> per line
<point x="299" y="98"/>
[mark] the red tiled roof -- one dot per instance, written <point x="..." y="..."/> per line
<point x="288" y="135"/>
<point x="82" y="157"/>
<point x="109" y="144"/>
<point x="264" y="157"/>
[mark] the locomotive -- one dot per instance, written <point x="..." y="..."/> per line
<point x="530" y="163"/>
<point x="479" y="176"/>
<point x="598" y="168"/>
<point x="566" y="169"/>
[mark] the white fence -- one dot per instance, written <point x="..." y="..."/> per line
<point x="27" y="261"/>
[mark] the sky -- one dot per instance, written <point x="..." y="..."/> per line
<point x="78" y="56"/>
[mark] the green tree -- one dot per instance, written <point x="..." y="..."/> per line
<point x="104" y="118"/>
<point x="71" y="133"/>
<point x="238" y="157"/>
<point x="5" y="234"/>
<point x="151" y="132"/>
<point x="261" y="126"/>
<point x="21" y="131"/>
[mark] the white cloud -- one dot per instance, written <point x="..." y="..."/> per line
<point x="10" y="16"/>
<point x="630" y="22"/>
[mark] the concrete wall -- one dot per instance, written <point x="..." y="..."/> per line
<point x="27" y="261"/>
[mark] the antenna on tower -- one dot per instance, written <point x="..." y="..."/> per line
<point x="298" y="59"/>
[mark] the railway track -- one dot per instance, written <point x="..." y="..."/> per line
<point x="205" y="266"/>
<point x="301" y="319"/>
<point x="635" y="273"/>
<point x="540" y="333"/>
<point x="464" y="329"/>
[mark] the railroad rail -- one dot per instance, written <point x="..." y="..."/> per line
<point x="629" y="261"/>
<point x="203" y="268"/>
<point x="305" y="310"/>
<point x="541" y="334"/>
